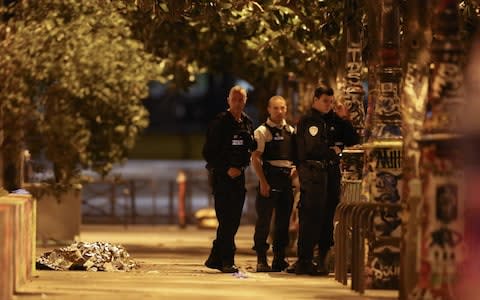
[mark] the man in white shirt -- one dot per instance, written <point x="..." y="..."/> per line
<point x="273" y="164"/>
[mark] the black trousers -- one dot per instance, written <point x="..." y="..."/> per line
<point x="280" y="200"/>
<point x="320" y="195"/>
<point x="229" y="195"/>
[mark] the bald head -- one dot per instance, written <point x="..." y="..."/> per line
<point x="277" y="109"/>
<point x="276" y="99"/>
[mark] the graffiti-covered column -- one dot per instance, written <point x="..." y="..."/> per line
<point x="416" y="54"/>
<point x="470" y="275"/>
<point x="441" y="167"/>
<point x="383" y="153"/>
<point x="354" y="92"/>
<point x="383" y="127"/>
<point x="352" y="161"/>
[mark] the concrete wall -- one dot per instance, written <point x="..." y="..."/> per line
<point x="7" y="214"/>
<point x="17" y="242"/>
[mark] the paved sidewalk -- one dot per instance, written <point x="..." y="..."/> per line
<point x="171" y="262"/>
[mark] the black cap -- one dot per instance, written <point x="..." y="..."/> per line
<point x="323" y="90"/>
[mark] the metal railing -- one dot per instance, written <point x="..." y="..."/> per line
<point x="153" y="200"/>
<point x="361" y="228"/>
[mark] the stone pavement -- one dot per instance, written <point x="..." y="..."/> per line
<point x="171" y="267"/>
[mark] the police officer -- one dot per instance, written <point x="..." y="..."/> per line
<point x="321" y="136"/>
<point x="229" y="143"/>
<point x="273" y="164"/>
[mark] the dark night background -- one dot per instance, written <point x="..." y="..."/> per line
<point x="179" y="119"/>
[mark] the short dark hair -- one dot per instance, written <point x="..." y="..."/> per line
<point x="323" y="90"/>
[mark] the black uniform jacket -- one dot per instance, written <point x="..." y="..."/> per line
<point x="317" y="132"/>
<point x="229" y="143"/>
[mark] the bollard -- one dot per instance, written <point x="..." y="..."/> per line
<point x="182" y="184"/>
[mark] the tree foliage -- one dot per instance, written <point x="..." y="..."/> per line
<point x="73" y="73"/>
<point x="469" y="14"/>
<point x="255" y="40"/>
<point x="72" y="82"/>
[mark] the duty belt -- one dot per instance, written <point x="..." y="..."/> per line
<point x="283" y="170"/>
<point x="321" y="163"/>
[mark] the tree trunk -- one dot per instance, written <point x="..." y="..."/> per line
<point x="354" y="93"/>
<point x="387" y="116"/>
<point x="1" y="147"/>
<point x="12" y="156"/>
<point x="373" y="36"/>
<point x="413" y="101"/>
<point x="383" y="179"/>
<point x="442" y="238"/>
<point x="263" y="91"/>
<point x="290" y="91"/>
<point x="470" y="275"/>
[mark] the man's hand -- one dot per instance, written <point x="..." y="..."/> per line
<point x="336" y="149"/>
<point x="342" y="111"/>
<point x="293" y="173"/>
<point x="234" y="172"/>
<point x="264" y="189"/>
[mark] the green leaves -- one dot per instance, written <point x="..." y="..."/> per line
<point x="74" y="80"/>
<point x="74" y="72"/>
<point x="251" y="39"/>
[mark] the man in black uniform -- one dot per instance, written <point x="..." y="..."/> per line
<point x="229" y="143"/>
<point x="321" y="136"/>
<point x="273" y="164"/>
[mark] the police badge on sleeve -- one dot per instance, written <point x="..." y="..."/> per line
<point x="313" y="130"/>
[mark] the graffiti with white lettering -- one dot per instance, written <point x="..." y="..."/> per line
<point x="354" y="92"/>
<point x="384" y="268"/>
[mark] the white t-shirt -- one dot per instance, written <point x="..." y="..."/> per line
<point x="263" y="135"/>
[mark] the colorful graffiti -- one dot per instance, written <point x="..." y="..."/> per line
<point x="384" y="164"/>
<point x="442" y="229"/>
<point x="384" y="167"/>
<point x="441" y="163"/>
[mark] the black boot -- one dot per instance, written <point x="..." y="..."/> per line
<point x="228" y="263"/>
<point x="292" y="267"/>
<point x="320" y="264"/>
<point x="214" y="260"/>
<point x="229" y="268"/>
<point x="279" y="263"/>
<point x="304" y="267"/>
<point x="262" y="263"/>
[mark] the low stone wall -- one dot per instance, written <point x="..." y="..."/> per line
<point x="59" y="218"/>
<point x="17" y="242"/>
<point x="7" y="215"/>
